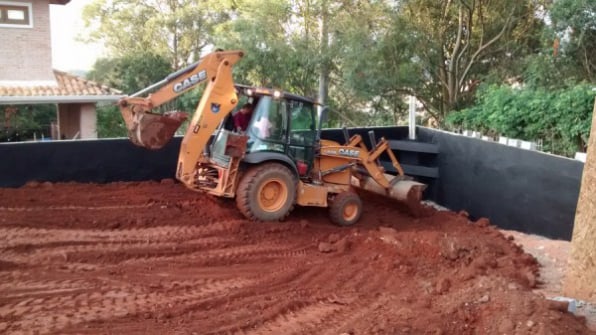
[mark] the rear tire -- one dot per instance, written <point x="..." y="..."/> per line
<point x="345" y="209"/>
<point x="266" y="192"/>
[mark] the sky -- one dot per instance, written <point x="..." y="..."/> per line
<point x="67" y="53"/>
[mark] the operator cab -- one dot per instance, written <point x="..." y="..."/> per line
<point x="283" y="126"/>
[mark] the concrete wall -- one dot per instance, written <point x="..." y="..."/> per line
<point x="88" y="122"/>
<point x="26" y="53"/>
<point x="78" y="119"/>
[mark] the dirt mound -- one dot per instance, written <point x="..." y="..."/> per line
<point x="154" y="257"/>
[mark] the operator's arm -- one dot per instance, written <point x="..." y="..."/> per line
<point x="237" y="123"/>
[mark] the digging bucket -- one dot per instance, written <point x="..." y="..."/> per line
<point x="407" y="192"/>
<point x="152" y="130"/>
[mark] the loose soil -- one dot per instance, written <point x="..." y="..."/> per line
<point x="156" y="258"/>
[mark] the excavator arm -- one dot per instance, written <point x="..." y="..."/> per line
<point x="152" y="130"/>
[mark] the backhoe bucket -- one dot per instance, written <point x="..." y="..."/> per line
<point x="150" y="130"/>
<point x="407" y="192"/>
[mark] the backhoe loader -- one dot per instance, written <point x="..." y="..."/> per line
<point x="278" y="162"/>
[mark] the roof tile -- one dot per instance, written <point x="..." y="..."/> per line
<point x="67" y="85"/>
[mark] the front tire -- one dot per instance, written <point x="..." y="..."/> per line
<point x="345" y="209"/>
<point x="266" y="192"/>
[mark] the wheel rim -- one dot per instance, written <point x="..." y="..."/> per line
<point x="273" y="194"/>
<point x="350" y="211"/>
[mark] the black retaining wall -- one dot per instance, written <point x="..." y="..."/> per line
<point x="100" y="161"/>
<point x="517" y="189"/>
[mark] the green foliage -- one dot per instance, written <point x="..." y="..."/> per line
<point x="574" y="23"/>
<point x="109" y="122"/>
<point x="179" y="30"/>
<point x="561" y="118"/>
<point x="129" y="74"/>
<point x="563" y="54"/>
<point x="438" y="50"/>
<point x="281" y="48"/>
<point x="27" y="123"/>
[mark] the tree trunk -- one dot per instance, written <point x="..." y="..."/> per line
<point x="324" y="74"/>
<point x="580" y="280"/>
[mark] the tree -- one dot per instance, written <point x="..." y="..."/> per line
<point x="368" y="55"/>
<point x="281" y="43"/>
<point x="129" y="74"/>
<point x="562" y="57"/>
<point x="466" y="38"/>
<point x="579" y="280"/>
<point x="575" y="26"/>
<point x="180" y="30"/>
<point x="378" y="79"/>
<point x="437" y="51"/>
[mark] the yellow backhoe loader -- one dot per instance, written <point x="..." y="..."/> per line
<point x="278" y="162"/>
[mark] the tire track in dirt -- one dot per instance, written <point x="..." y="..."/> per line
<point x="13" y="236"/>
<point x="151" y="258"/>
<point x="67" y="248"/>
<point x="258" y="294"/>
<point x="29" y="245"/>
<point x="223" y="295"/>
<point x="109" y="252"/>
<point x="50" y="310"/>
<point x="237" y="254"/>
<point x="274" y="284"/>
<point x="305" y="303"/>
<point x="327" y="311"/>
<point x="298" y="321"/>
<point x="46" y="315"/>
<point x="332" y="314"/>
<point x="64" y="208"/>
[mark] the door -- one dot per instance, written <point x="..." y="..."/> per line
<point x="268" y="127"/>
<point x="302" y="135"/>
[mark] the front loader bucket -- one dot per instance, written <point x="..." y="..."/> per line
<point x="407" y="192"/>
<point x="150" y="130"/>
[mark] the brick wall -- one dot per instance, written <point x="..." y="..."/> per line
<point x="26" y="53"/>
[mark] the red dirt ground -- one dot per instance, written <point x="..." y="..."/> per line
<point x="156" y="258"/>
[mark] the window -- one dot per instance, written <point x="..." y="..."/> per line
<point x="269" y="120"/>
<point x="15" y="14"/>
<point x="302" y="127"/>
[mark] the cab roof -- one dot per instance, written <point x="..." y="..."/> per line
<point x="256" y="90"/>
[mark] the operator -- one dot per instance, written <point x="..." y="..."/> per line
<point x="242" y="118"/>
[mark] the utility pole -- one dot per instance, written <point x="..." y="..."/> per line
<point x="580" y="279"/>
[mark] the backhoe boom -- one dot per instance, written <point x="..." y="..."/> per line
<point x="152" y="130"/>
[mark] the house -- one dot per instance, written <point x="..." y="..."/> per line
<point x="27" y="77"/>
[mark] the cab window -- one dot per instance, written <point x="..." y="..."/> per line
<point x="302" y="123"/>
<point x="269" y="120"/>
